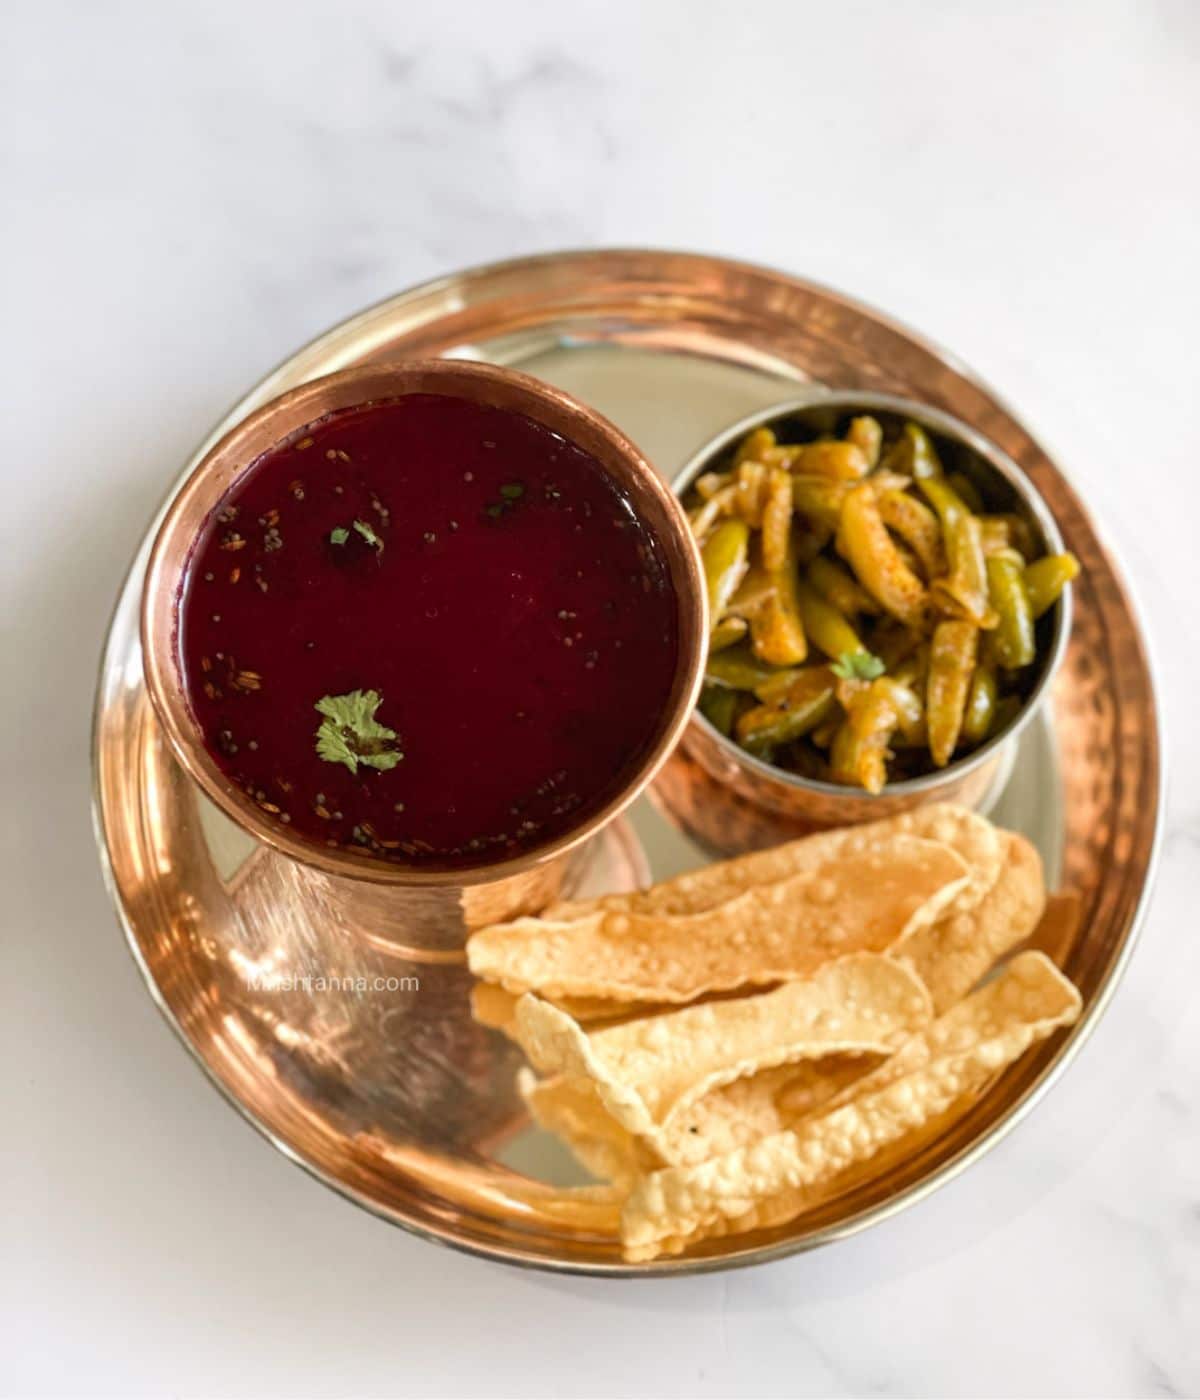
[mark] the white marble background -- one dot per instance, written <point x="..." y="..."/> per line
<point x="188" y="193"/>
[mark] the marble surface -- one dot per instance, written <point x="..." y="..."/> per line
<point x="189" y="194"/>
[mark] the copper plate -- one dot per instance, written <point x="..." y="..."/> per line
<point x="391" y="1094"/>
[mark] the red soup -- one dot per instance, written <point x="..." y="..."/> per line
<point x="428" y="630"/>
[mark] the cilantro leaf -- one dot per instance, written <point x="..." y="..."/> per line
<point x="339" y="535"/>
<point x="858" y="666"/>
<point x="512" y="491"/>
<point x="368" y="534"/>
<point x="350" y="733"/>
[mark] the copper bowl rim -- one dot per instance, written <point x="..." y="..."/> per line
<point x="308" y="402"/>
<point x="928" y="785"/>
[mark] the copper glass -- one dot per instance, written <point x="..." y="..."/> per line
<point x="421" y="905"/>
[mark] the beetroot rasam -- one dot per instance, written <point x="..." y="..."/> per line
<point x="429" y="630"/>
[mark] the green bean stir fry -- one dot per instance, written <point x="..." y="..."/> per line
<point x="870" y="617"/>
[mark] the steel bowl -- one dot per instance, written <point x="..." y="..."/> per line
<point x="730" y="801"/>
<point x="420" y="905"/>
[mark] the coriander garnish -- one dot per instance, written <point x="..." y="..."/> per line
<point x="350" y="733"/>
<point x="510" y="493"/>
<point x="858" y="666"/>
<point x="369" y="535"/>
<point x="340" y="534"/>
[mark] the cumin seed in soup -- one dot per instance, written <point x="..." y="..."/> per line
<point x="428" y="630"/>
